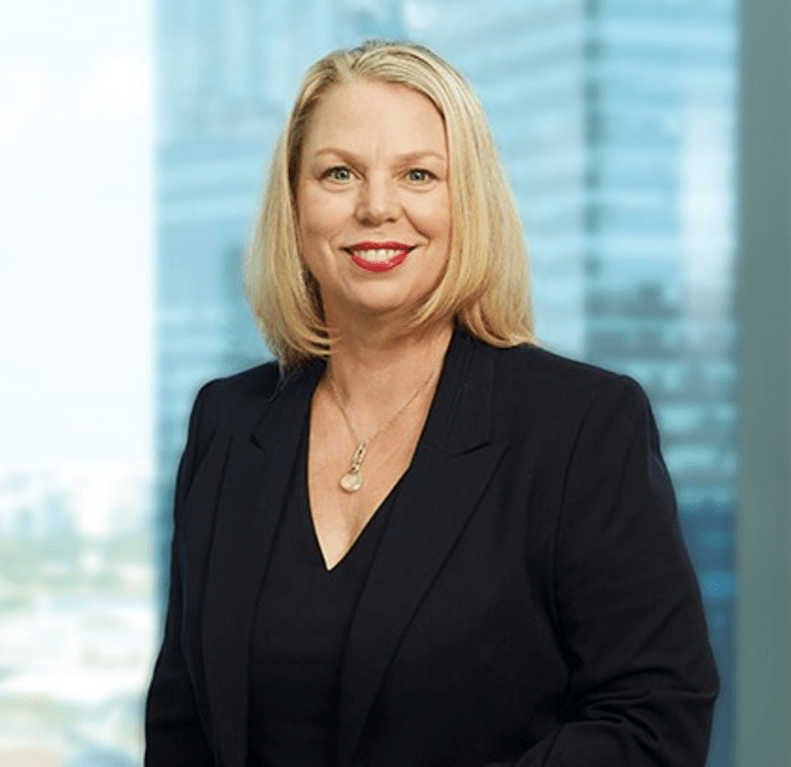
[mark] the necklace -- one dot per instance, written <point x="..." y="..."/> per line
<point x="352" y="481"/>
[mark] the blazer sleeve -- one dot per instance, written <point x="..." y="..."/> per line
<point x="630" y="616"/>
<point x="173" y="730"/>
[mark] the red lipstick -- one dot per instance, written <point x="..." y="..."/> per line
<point x="357" y="251"/>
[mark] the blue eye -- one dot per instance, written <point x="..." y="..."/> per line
<point x="418" y="175"/>
<point x="338" y="173"/>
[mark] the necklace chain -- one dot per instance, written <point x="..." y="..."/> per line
<point x="353" y="479"/>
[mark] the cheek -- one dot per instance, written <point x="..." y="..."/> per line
<point x="318" y="226"/>
<point x="434" y="220"/>
<point x="320" y="220"/>
<point x="432" y="213"/>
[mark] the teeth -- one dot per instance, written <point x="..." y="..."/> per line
<point x="378" y="255"/>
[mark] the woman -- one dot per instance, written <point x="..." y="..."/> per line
<point x="418" y="539"/>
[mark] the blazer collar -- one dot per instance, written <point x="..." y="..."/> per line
<point x="289" y="402"/>
<point x="461" y="414"/>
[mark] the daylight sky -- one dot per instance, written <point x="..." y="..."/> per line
<point x="75" y="231"/>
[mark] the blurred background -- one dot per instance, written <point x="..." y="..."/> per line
<point x="134" y="138"/>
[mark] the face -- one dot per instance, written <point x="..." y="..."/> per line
<point x="373" y="201"/>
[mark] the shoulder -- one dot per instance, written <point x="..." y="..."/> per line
<point x="533" y="371"/>
<point x="539" y="390"/>
<point x="255" y="384"/>
<point x="234" y="399"/>
<point x="238" y="401"/>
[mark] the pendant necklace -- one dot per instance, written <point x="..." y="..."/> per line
<point x="352" y="480"/>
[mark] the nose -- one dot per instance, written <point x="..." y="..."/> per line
<point x="378" y="201"/>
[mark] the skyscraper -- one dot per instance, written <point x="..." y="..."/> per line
<point x="615" y="124"/>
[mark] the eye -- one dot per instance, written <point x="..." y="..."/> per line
<point x="419" y="175"/>
<point x="338" y="173"/>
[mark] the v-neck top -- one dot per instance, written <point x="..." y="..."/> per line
<point x="300" y="630"/>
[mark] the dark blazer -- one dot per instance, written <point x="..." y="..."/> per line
<point x="531" y="602"/>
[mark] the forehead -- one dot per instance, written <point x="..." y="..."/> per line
<point x="375" y="116"/>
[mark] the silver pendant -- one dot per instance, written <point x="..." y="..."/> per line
<point x="352" y="481"/>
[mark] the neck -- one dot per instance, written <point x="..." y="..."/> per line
<point x="376" y="372"/>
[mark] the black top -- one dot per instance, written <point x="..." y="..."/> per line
<point x="299" y="635"/>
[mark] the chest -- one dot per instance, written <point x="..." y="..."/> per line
<point x="339" y="515"/>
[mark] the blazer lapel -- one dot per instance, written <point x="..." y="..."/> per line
<point x="452" y="465"/>
<point x="258" y="469"/>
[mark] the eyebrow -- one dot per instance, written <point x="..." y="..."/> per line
<point x="402" y="159"/>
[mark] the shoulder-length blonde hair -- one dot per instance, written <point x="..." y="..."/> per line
<point x="485" y="286"/>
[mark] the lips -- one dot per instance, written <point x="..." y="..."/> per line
<point x="379" y="256"/>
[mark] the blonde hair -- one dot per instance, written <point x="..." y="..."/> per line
<point x="485" y="286"/>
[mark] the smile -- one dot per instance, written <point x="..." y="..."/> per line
<point x="379" y="256"/>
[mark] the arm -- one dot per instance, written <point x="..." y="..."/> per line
<point x="630" y="617"/>
<point x="173" y="731"/>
